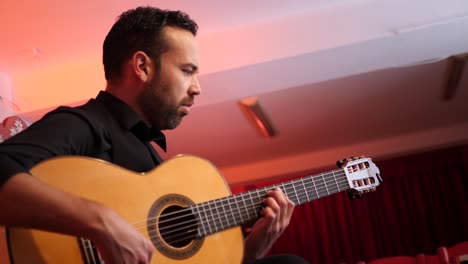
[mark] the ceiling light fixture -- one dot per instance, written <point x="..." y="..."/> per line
<point x="257" y="116"/>
<point x="456" y="65"/>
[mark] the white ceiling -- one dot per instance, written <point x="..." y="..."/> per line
<point x="338" y="78"/>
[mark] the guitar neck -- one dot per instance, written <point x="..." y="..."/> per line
<point x="220" y="214"/>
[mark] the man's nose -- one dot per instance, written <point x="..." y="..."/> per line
<point x="195" y="88"/>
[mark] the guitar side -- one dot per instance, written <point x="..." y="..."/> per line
<point x="132" y="195"/>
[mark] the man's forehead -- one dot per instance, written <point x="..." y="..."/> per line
<point x="183" y="42"/>
<point x="176" y="35"/>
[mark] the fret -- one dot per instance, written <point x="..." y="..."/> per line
<point x="234" y="210"/>
<point x="308" y="187"/>
<point x="258" y="201"/>
<point x="239" y="208"/>
<point x="246" y="208"/>
<point x="207" y="218"/>
<point x="214" y="212"/>
<point x="85" y="250"/>
<point x="333" y="183"/>
<point x="252" y="207"/>
<point x="195" y="210"/>
<point x="231" y="210"/>
<point x="303" y="196"/>
<point x="265" y="190"/>
<point x="211" y="219"/>
<point x="261" y="195"/>
<point x="325" y="183"/>
<point x="260" y="198"/>
<point x="219" y="216"/>
<point x="329" y="185"/>
<point x="336" y="182"/>
<point x="219" y="221"/>
<point x="305" y="189"/>
<point x="90" y="251"/>
<point x="295" y="192"/>
<point x="223" y="205"/>
<point x="315" y="187"/>
<point x="344" y="182"/>
<point x="283" y="188"/>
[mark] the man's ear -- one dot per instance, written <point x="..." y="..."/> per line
<point x="143" y="66"/>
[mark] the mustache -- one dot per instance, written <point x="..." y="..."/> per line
<point x="188" y="102"/>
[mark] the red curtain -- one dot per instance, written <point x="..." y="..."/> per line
<point x="421" y="205"/>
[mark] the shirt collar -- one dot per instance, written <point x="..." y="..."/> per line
<point x="130" y="120"/>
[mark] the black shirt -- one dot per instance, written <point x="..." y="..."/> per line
<point x="104" y="128"/>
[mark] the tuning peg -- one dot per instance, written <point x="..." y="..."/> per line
<point x="341" y="163"/>
<point x="353" y="194"/>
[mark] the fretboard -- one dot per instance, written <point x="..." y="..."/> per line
<point x="220" y="214"/>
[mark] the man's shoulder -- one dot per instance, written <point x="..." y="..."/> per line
<point x="92" y="111"/>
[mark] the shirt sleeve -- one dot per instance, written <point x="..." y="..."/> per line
<point x="67" y="132"/>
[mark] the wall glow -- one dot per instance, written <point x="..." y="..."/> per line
<point x="59" y="85"/>
<point x="6" y="101"/>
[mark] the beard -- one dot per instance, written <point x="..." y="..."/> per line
<point x="157" y="108"/>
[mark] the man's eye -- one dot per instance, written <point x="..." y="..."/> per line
<point x="187" y="72"/>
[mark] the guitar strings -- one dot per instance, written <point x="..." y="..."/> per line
<point x="170" y="239"/>
<point x="288" y="188"/>
<point x="153" y="233"/>
<point x="182" y="226"/>
<point x="326" y="177"/>
<point x="219" y="215"/>
<point x="178" y="237"/>
<point x="219" y="218"/>
<point x="218" y="204"/>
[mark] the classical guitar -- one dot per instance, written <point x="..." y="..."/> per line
<point x="184" y="207"/>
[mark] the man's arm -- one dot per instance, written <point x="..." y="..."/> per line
<point x="275" y="219"/>
<point x="27" y="202"/>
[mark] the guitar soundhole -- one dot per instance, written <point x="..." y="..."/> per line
<point x="177" y="226"/>
<point x="173" y="228"/>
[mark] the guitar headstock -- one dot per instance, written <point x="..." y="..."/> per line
<point x="362" y="174"/>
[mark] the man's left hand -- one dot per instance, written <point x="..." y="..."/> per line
<point x="275" y="218"/>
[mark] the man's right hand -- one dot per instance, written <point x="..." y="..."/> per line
<point x="120" y="242"/>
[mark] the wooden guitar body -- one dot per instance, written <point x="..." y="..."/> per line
<point x="138" y="198"/>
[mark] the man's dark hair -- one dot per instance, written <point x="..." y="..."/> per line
<point x="140" y="29"/>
